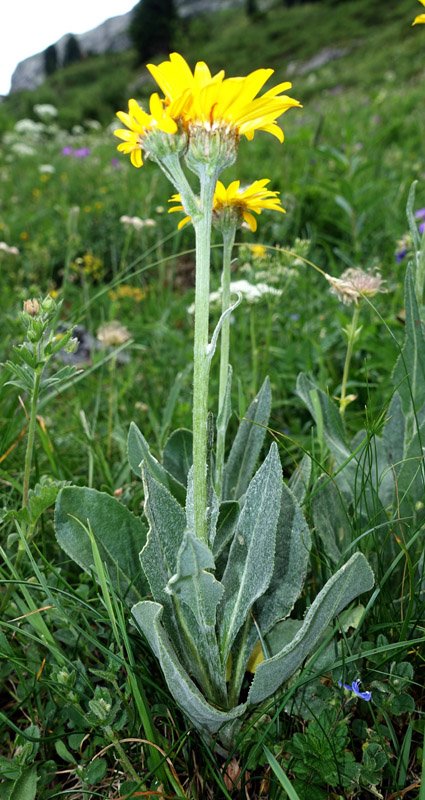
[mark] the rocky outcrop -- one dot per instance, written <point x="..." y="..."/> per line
<point x="110" y="36"/>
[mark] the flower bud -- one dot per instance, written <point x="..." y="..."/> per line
<point x="32" y="307"/>
<point x="48" y="304"/>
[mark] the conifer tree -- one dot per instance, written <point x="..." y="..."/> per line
<point x="72" y="51"/>
<point x="50" y="57"/>
<point x="152" y="28"/>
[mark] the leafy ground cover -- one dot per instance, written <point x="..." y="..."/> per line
<point x="85" y="711"/>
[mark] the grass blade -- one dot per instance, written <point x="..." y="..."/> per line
<point x="281" y="775"/>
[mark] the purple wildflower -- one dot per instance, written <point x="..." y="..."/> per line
<point x="67" y="151"/>
<point x="355" y="689"/>
<point x="82" y="152"/>
<point x="422" y="227"/>
<point x="420" y="214"/>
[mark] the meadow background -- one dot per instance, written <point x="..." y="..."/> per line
<point x="344" y="173"/>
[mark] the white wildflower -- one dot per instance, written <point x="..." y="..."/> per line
<point x="137" y="223"/>
<point x="250" y="292"/>
<point x="29" y="127"/>
<point x="93" y="124"/>
<point x="23" y="149"/>
<point x="45" y="111"/>
<point x="10" y="250"/>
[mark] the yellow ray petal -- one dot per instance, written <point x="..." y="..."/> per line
<point x="250" y="220"/>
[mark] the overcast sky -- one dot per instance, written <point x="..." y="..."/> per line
<point x="29" y="26"/>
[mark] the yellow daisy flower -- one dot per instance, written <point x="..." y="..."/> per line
<point x="213" y="102"/>
<point x="140" y="123"/>
<point x="237" y="203"/>
<point x="176" y="79"/>
<point x="421" y="17"/>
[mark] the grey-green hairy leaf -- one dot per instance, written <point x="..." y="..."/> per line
<point x="326" y="416"/>
<point x="410" y="213"/>
<point x="251" y="559"/>
<point x="118" y="533"/>
<point x="392" y="448"/>
<point x="247" y="445"/>
<point x="226" y="409"/>
<point x="198" y="594"/>
<point x="410" y="473"/>
<point x="139" y="451"/>
<point x="185" y="692"/>
<point x="193" y="584"/>
<point x="226" y="525"/>
<point x="300" y="479"/>
<point x="293" y="544"/>
<point x="330" y="518"/>
<point x="167" y="523"/>
<point x="409" y="371"/>
<point x="351" y="580"/>
<point x="177" y="455"/>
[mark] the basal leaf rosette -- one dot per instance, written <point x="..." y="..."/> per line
<point x="421" y="17"/>
<point x="235" y="205"/>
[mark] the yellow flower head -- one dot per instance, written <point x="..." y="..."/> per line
<point x="421" y="17"/>
<point x="176" y="79"/>
<point x="237" y="205"/>
<point x="214" y="102"/>
<point x="205" y="108"/>
<point x="140" y="124"/>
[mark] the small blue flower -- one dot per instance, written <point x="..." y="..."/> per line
<point x="355" y="689"/>
<point x="400" y="254"/>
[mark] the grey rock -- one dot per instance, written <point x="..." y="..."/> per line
<point x="109" y="37"/>
<point x="319" y="60"/>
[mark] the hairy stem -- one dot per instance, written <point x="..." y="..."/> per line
<point x="124" y="761"/>
<point x="352" y="336"/>
<point x="31" y="435"/>
<point x="228" y="242"/>
<point x="201" y="361"/>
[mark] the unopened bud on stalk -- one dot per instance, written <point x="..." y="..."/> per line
<point x="32" y="307"/>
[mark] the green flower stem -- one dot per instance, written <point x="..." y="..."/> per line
<point x="254" y="349"/>
<point x="112" y="404"/>
<point x="31" y="434"/>
<point x="352" y="334"/>
<point x="228" y="242"/>
<point x="125" y="763"/>
<point x="124" y="251"/>
<point x="201" y="360"/>
<point x="172" y="168"/>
